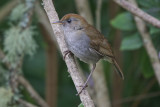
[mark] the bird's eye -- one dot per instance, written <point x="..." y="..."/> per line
<point x="69" y="20"/>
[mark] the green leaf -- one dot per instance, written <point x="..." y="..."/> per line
<point x="18" y="42"/>
<point x="147" y="70"/>
<point x="154" y="30"/>
<point x="124" y="21"/>
<point x="17" y="12"/>
<point x="5" y="95"/>
<point x="146" y="66"/>
<point x="131" y="42"/>
<point x="81" y="105"/>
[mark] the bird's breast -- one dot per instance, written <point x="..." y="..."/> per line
<point x="79" y="44"/>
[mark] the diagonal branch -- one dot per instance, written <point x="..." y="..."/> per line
<point x="20" y="79"/>
<point x="26" y="84"/>
<point x="99" y="93"/>
<point x="148" y="44"/>
<point x="26" y="104"/>
<point x="31" y="91"/>
<point x="72" y="68"/>
<point x="138" y="12"/>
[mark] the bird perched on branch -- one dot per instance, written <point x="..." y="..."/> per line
<point x="86" y="43"/>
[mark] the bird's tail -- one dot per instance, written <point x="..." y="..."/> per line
<point x="118" y="69"/>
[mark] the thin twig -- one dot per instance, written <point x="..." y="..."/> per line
<point x="72" y="68"/>
<point x="26" y="84"/>
<point x="14" y="77"/>
<point x="135" y="98"/>
<point x="25" y="103"/>
<point x="24" y="24"/>
<point x="84" y="10"/>
<point x="153" y="55"/>
<point x="138" y="12"/>
<point x="145" y="91"/>
<point x="101" y="98"/>
<point x="31" y="91"/>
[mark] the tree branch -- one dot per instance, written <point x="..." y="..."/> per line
<point x="138" y="12"/>
<point x="83" y="9"/>
<point x="31" y="91"/>
<point x="72" y="68"/>
<point x="135" y="98"/>
<point x="26" y="84"/>
<point x="153" y="55"/>
<point x="101" y="98"/>
<point x="25" y="103"/>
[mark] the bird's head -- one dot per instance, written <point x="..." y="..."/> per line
<point x="73" y="21"/>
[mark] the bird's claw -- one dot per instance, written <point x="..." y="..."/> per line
<point x="83" y="87"/>
<point x="66" y="53"/>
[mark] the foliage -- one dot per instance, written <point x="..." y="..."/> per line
<point x="5" y="95"/>
<point x="4" y="76"/>
<point x="147" y="71"/>
<point x="81" y="105"/>
<point x="18" y="12"/>
<point x="18" y="43"/>
<point x="135" y="63"/>
<point x="131" y="42"/>
<point x="124" y="21"/>
<point x="154" y="30"/>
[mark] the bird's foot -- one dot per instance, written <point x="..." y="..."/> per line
<point x="66" y="53"/>
<point x="83" y="87"/>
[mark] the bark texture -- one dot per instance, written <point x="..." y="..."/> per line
<point x="72" y="68"/>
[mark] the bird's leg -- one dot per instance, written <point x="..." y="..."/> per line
<point x="66" y="53"/>
<point x="85" y="84"/>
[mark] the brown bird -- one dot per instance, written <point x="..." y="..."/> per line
<point x="86" y="43"/>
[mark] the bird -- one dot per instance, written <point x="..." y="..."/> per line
<point x="85" y="42"/>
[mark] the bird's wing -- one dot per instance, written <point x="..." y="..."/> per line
<point x="99" y="43"/>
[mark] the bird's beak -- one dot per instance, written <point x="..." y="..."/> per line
<point x="58" y="22"/>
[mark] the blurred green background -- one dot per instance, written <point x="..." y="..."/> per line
<point x="119" y="28"/>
